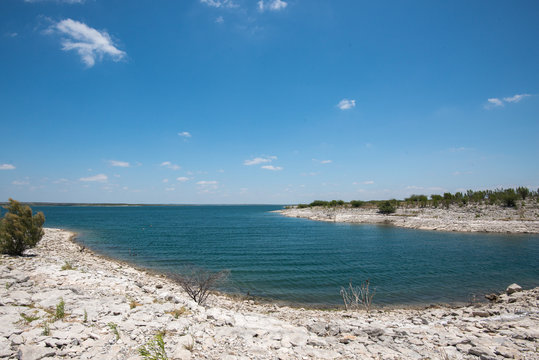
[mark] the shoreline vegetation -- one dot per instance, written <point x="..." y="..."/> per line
<point x="61" y="300"/>
<point x="499" y="211"/>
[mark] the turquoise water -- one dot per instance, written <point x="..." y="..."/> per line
<point x="303" y="261"/>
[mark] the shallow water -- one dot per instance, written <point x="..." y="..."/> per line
<point x="305" y="261"/>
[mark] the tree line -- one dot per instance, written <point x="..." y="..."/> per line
<point x="504" y="197"/>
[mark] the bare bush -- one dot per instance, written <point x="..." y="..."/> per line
<point x="355" y="297"/>
<point x="198" y="282"/>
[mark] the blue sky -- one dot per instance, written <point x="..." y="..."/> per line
<point x="274" y="101"/>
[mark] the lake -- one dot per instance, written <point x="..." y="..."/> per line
<point x="303" y="261"/>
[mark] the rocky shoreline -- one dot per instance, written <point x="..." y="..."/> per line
<point x="111" y="309"/>
<point x="469" y="218"/>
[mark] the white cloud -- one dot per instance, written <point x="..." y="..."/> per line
<point x="205" y="182"/>
<point x="271" y="167"/>
<point x="170" y="189"/>
<point x="98" y="178"/>
<point x="170" y="165"/>
<point x="184" y="134"/>
<point x="119" y="163"/>
<point x="259" y="160"/>
<point x="207" y="186"/>
<point x="89" y="43"/>
<point x="326" y="161"/>
<point x="20" y="182"/>
<point x="272" y="5"/>
<point x="220" y="3"/>
<point x="165" y="181"/>
<point x="346" y="104"/>
<point x="182" y="179"/>
<point x="367" y="182"/>
<point x="7" y="167"/>
<point x="515" y="98"/>
<point x="219" y="20"/>
<point x="494" y="102"/>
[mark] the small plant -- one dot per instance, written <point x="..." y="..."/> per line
<point x="198" y="282"/>
<point x="132" y="302"/>
<point x="85" y="319"/>
<point x="67" y="266"/>
<point x="60" y="310"/>
<point x="179" y="312"/>
<point x="154" y="348"/>
<point x="46" y="329"/>
<point x="114" y="328"/>
<point x="29" y="318"/>
<point x="355" y="297"/>
<point x="8" y="285"/>
<point x="189" y="346"/>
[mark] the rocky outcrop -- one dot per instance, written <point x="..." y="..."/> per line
<point x="111" y="309"/>
<point x="470" y="218"/>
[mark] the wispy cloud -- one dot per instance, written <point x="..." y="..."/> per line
<point x="259" y="160"/>
<point x="182" y="179"/>
<point x="323" y="161"/>
<point x="165" y="181"/>
<point x="207" y="186"/>
<point x="95" y="178"/>
<point x="346" y="104"/>
<point x="494" y="102"/>
<point x="497" y="102"/>
<point x="272" y="5"/>
<point x="460" y="149"/>
<point x="185" y="134"/>
<point x="117" y="163"/>
<point x="271" y="167"/>
<point x="7" y="167"/>
<point x="515" y="98"/>
<point x="20" y="182"/>
<point x="220" y="20"/>
<point x="170" y="165"/>
<point x="220" y="3"/>
<point x="89" y="43"/>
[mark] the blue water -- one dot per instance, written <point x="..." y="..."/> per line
<point x="303" y="261"/>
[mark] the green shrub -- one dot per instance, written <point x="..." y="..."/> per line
<point x="60" y="310"/>
<point x="19" y="230"/>
<point x="386" y="207"/>
<point x="509" y="198"/>
<point x="357" y="203"/>
<point x="319" y="203"/>
<point x="154" y="349"/>
<point x="523" y="192"/>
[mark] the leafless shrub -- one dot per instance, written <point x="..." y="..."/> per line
<point x="198" y="282"/>
<point x="355" y="297"/>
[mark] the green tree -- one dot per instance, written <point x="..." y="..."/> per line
<point x="19" y="229"/>
<point x="386" y="207"/>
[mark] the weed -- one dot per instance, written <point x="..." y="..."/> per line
<point x="356" y="296"/>
<point x="189" y="346"/>
<point x="68" y="266"/>
<point x="132" y="302"/>
<point x="154" y="348"/>
<point x="29" y="318"/>
<point x="85" y="319"/>
<point x="60" y="310"/>
<point x="8" y="285"/>
<point x="178" y="312"/>
<point x="46" y="329"/>
<point x="114" y="328"/>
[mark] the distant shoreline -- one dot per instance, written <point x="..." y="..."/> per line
<point x="469" y="218"/>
